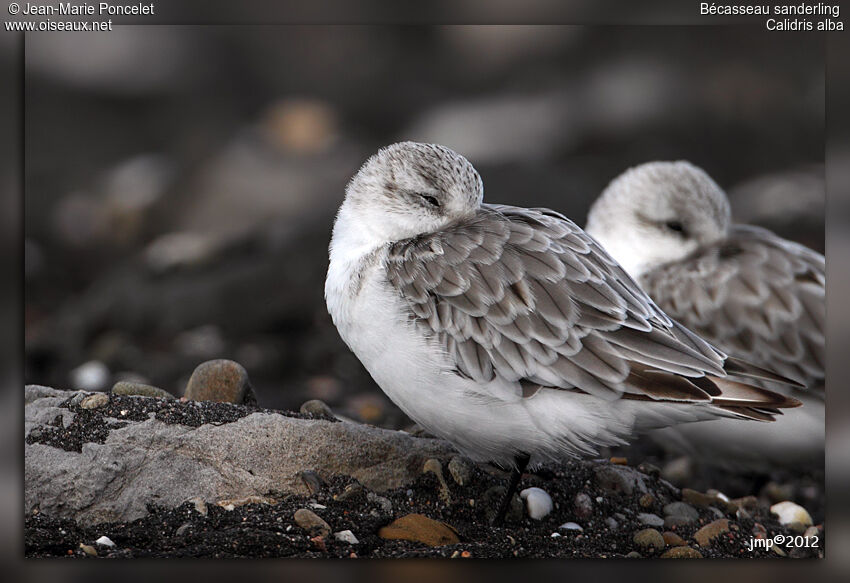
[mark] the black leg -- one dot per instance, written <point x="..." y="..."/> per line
<point x="516" y="474"/>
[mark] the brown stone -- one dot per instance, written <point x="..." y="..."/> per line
<point x="672" y="539"/>
<point x="420" y="528"/>
<point x="649" y="538"/>
<point x="222" y="381"/>
<point x="681" y="553"/>
<point x="697" y="498"/>
<point x="710" y="531"/>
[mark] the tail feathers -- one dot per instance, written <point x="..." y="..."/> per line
<point x="750" y="402"/>
<point x="738" y="367"/>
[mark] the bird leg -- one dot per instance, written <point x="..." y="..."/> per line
<point x="516" y="474"/>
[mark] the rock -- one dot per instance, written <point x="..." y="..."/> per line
<point x="745" y="502"/>
<point x="611" y="523"/>
<point x="681" y="509"/>
<point x="183" y="529"/>
<point x="812" y="532"/>
<point x="222" y="381"/>
<point x="151" y="461"/>
<point x="313" y="481"/>
<point x="648" y="539"/>
<point x="350" y="492"/>
<point x="647" y="500"/>
<point x="678" y="471"/>
<point x="649" y="469"/>
<point x="419" y="528"/>
<point x="634" y="555"/>
<point x="789" y="512"/>
<point x="89" y="550"/>
<point x="538" y="502"/>
<point x="677" y="521"/>
<point x="200" y="506"/>
<point x="672" y="539"/>
<point x="614" y="479"/>
<point x="435" y="467"/>
<point x="681" y="553"/>
<point x="311" y="522"/>
<point x="35" y="392"/>
<point x="316" y="407"/>
<point x="90" y="376"/>
<point x="385" y="504"/>
<point x="619" y="461"/>
<point x="571" y="526"/>
<point x="104" y="541"/>
<point x="131" y="389"/>
<point x="233" y="503"/>
<point x="492" y="497"/>
<point x="650" y="519"/>
<point x="710" y="531"/>
<point x="346" y="536"/>
<point x="582" y="506"/>
<point x="94" y="401"/>
<point x="777" y="492"/>
<point x="697" y="498"/>
<point x="460" y="470"/>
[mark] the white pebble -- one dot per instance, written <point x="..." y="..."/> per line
<point x="571" y="526"/>
<point x="105" y="541"/>
<point x="90" y="376"/>
<point x="346" y="536"/>
<point x="537" y="501"/>
<point x="789" y="512"/>
<point x="316" y="505"/>
<point x="555" y="534"/>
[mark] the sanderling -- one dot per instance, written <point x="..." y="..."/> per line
<point x="508" y="331"/>
<point x="751" y="293"/>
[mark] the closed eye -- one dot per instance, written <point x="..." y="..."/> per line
<point x="430" y="200"/>
<point x="676" y="226"/>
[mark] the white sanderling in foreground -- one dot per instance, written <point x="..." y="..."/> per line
<point x="751" y="293"/>
<point x="508" y="331"/>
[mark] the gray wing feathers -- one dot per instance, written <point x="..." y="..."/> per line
<point x="756" y="296"/>
<point x="526" y="295"/>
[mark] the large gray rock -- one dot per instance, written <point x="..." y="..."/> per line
<point x="149" y="461"/>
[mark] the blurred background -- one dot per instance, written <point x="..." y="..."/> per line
<point x="181" y="182"/>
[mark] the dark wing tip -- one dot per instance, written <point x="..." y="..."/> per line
<point x="736" y="366"/>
